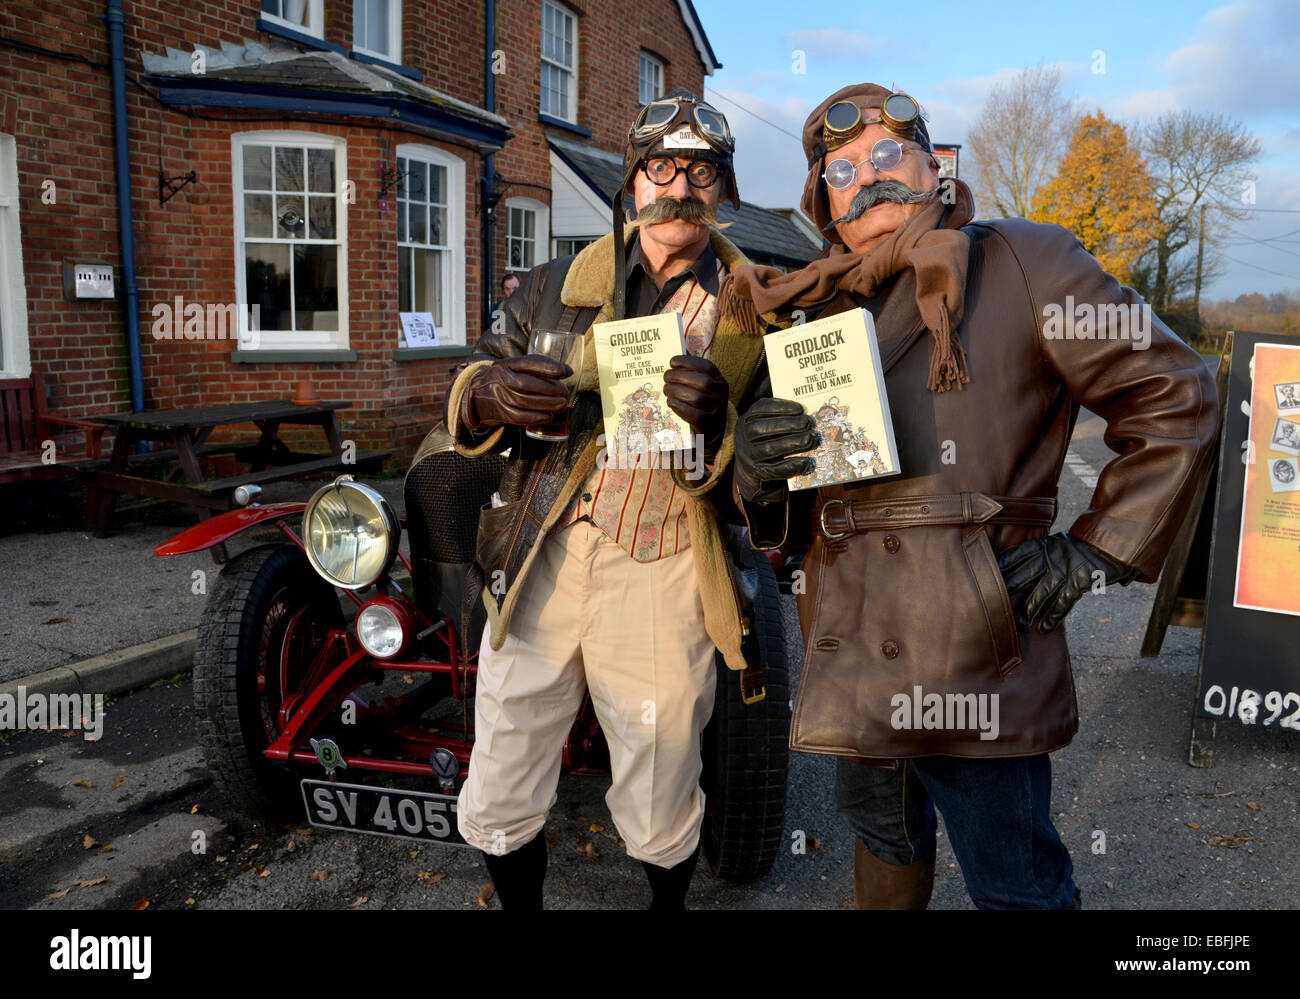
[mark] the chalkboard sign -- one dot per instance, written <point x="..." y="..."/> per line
<point x="1250" y="656"/>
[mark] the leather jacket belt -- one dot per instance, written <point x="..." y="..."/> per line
<point x="839" y="518"/>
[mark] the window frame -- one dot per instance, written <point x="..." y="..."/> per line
<point x="455" y="332"/>
<point x="541" y="239"/>
<point x="660" y="67"/>
<point x="315" y="10"/>
<point x="15" y="349"/>
<point x="571" y="111"/>
<point x="394" y="33"/>
<point x="557" y="240"/>
<point x="305" y="340"/>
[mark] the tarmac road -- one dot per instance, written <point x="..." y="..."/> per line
<point x="1174" y="837"/>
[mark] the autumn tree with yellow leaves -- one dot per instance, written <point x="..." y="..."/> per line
<point x="1103" y="194"/>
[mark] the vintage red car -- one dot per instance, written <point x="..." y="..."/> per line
<point x="309" y="650"/>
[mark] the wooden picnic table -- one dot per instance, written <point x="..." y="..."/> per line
<point x="187" y="432"/>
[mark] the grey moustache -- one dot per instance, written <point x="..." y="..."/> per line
<point x="881" y="190"/>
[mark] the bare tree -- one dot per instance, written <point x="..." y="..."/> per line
<point x="1015" y="143"/>
<point x="1197" y="161"/>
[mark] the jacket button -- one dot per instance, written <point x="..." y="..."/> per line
<point x="891" y="544"/>
<point x="890" y="649"/>
<point x="586" y="497"/>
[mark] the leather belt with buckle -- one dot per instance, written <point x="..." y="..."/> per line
<point x="840" y="518"/>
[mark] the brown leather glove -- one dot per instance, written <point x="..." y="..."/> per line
<point x="515" y="391"/>
<point x="696" y="391"/>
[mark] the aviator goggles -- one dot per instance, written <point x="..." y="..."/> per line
<point x="844" y="122"/>
<point x="657" y="118"/>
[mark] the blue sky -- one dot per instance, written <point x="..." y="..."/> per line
<point x="1242" y="59"/>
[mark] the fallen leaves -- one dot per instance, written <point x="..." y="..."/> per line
<point x="262" y="872"/>
<point x="305" y="831"/>
<point x="56" y="620"/>
<point x="141" y="903"/>
<point x="88" y="842"/>
<point x="1193" y="825"/>
<point x="591" y="851"/>
<point x="484" y="894"/>
<point x="190" y="900"/>
<point x="82" y="783"/>
<point x="318" y="876"/>
<point x="430" y="879"/>
<point x="194" y="810"/>
<point x="1230" y="842"/>
<point x="291" y="845"/>
<point x="118" y="782"/>
<point x="1252" y="806"/>
<point x="92" y="882"/>
<point x="360" y="900"/>
<point x="56" y="894"/>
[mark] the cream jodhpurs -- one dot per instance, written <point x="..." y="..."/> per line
<point x="592" y="618"/>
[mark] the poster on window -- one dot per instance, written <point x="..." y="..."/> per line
<point x="1268" y="556"/>
<point x="419" y="330"/>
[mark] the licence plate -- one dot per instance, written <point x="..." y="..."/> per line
<point x="381" y="811"/>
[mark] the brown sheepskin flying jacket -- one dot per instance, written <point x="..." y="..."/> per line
<point x="539" y="482"/>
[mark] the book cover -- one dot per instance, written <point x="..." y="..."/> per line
<point x="832" y="368"/>
<point x="631" y="357"/>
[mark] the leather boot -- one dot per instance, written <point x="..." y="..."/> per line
<point x="877" y="885"/>
<point x="668" y="884"/>
<point x="518" y="875"/>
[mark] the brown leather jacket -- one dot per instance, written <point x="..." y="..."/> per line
<point x="907" y="594"/>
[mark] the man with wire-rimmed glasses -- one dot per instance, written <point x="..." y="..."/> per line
<point x="933" y="600"/>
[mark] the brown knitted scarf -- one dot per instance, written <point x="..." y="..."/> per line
<point x="931" y="243"/>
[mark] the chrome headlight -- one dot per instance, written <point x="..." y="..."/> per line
<point x="384" y="627"/>
<point x="351" y="533"/>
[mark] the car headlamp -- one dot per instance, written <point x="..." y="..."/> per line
<point x="384" y="626"/>
<point x="351" y="533"/>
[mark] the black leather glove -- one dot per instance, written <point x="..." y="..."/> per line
<point x="696" y="391"/>
<point x="515" y="391"/>
<point x="1046" y="576"/>
<point x="768" y="433"/>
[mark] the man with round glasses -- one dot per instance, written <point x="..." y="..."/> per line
<point x="936" y="665"/>
<point x="598" y="577"/>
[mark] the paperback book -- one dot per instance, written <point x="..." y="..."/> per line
<point x="631" y="357"/>
<point x="832" y="368"/>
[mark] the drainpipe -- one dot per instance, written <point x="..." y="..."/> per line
<point x="488" y="199"/>
<point x="122" y="163"/>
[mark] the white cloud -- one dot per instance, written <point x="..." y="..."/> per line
<point x="1242" y="62"/>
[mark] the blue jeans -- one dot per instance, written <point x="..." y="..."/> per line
<point x="997" y="814"/>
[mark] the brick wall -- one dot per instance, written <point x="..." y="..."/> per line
<point x="60" y="113"/>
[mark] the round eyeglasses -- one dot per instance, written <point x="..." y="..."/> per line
<point x="663" y="170"/>
<point x="886" y="154"/>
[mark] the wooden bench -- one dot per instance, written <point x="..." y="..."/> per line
<point x="25" y="427"/>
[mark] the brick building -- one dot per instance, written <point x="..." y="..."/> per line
<point x="308" y="171"/>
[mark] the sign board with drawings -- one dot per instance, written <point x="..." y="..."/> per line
<point x="1249" y="546"/>
<point x="419" y="330"/>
